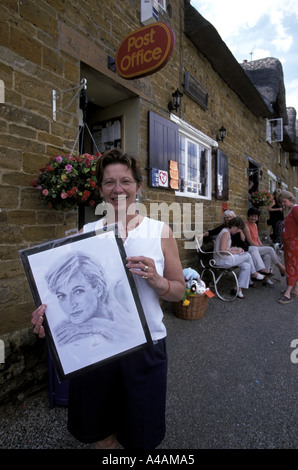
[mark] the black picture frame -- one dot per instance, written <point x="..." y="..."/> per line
<point x="78" y="338"/>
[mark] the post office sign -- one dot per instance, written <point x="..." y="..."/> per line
<point x="145" y="51"/>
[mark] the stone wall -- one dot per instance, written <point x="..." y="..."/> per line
<point x="24" y="370"/>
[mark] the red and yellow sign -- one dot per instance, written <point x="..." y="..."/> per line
<point x="145" y="51"/>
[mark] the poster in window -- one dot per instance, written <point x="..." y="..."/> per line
<point x="107" y="134"/>
<point x="93" y="312"/>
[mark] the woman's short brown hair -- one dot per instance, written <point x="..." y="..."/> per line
<point x="114" y="156"/>
<point x="236" y="222"/>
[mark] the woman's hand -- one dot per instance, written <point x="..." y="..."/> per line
<point x="165" y="287"/>
<point x="37" y="320"/>
<point x="144" y="267"/>
<point x="67" y="332"/>
<point x="236" y="250"/>
<point x="171" y="285"/>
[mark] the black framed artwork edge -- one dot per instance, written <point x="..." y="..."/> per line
<point x="48" y="248"/>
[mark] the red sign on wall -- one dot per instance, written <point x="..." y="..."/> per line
<point x="145" y="51"/>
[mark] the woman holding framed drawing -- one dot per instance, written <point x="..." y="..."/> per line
<point x="124" y="400"/>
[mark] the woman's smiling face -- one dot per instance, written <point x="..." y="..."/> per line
<point x="119" y="187"/>
<point x="78" y="299"/>
<point x="253" y="218"/>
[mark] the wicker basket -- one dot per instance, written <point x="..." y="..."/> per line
<point x="194" y="310"/>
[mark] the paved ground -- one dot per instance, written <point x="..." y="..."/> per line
<point x="232" y="384"/>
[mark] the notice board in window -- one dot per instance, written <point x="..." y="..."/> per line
<point x="107" y="134"/>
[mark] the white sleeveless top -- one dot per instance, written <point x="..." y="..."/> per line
<point x="217" y="255"/>
<point x="145" y="240"/>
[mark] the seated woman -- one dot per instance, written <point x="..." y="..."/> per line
<point x="240" y="258"/>
<point x="267" y="253"/>
<point x="239" y="240"/>
<point x="226" y="216"/>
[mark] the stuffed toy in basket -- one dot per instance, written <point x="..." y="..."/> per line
<point x="194" y="302"/>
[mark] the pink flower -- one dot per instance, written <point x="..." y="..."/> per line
<point x="70" y="177"/>
<point x="87" y="159"/>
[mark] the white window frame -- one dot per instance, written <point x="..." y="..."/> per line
<point x="162" y="4"/>
<point x="272" y="181"/>
<point x="197" y="137"/>
<point x="274" y="130"/>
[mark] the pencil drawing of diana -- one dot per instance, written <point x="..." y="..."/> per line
<point x="80" y="288"/>
<point x="93" y="312"/>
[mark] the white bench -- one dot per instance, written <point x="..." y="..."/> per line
<point x="218" y="273"/>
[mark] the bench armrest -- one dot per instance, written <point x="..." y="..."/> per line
<point x="212" y="261"/>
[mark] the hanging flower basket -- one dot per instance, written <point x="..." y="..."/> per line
<point x="261" y="198"/>
<point x="69" y="180"/>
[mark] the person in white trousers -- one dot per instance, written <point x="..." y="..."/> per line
<point x="229" y="256"/>
<point x="267" y="253"/>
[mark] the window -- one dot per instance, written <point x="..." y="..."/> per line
<point x="163" y="5"/>
<point x="272" y="181"/>
<point x="274" y="130"/>
<point x="178" y="141"/>
<point x="107" y="134"/>
<point x="254" y="173"/>
<point x="193" y="167"/>
<point x="194" y="161"/>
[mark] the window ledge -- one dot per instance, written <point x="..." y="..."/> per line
<point x="192" y="196"/>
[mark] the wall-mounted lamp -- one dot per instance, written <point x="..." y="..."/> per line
<point x="221" y="134"/>
<point x="176" y="102"/>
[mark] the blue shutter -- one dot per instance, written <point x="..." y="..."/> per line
<point x="163" y="143"/>
<point x="222" y="176"/>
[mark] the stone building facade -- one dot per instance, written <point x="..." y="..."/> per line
<point x="51" y="45"/>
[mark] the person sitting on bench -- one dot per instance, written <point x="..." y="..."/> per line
<point x="239" y="258"/>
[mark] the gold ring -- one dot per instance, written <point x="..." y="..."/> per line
<point x="145" y="268"/>
<point x="144" y="277"/>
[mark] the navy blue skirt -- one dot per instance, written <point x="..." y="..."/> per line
<point x="126" y="396"/>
